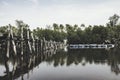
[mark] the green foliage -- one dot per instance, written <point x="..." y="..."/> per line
<point x="113" y="20"/>
<point x="56" y="35"/>
<point x="73" y="33"/>
<point x="3" y="29"/>
<point x="93" y="34"/>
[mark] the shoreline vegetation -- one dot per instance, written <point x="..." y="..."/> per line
<point x="75" y="34"/>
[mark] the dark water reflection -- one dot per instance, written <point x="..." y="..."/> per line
<point x="84" y="64"/>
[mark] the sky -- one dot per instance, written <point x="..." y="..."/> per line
<point x="39" y="13"/>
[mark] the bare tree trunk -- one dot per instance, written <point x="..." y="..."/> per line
<point x="8" y="43"/>
<point x="13" y="43"/>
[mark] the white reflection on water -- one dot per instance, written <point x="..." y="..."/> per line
<point x="3" y="69"/>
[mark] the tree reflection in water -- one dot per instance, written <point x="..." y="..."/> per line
<point x="24" y="64"/>
<point x="84" y="56"/>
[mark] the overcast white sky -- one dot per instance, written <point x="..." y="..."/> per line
<point x="39" y="13"/>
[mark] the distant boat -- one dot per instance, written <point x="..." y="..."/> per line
<point x="79" y="46"/>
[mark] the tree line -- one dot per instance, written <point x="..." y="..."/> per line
<point x="75" y="34"/>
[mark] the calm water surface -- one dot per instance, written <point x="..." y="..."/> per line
<point x="83" y="64"/>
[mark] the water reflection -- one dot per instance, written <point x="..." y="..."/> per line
<point x="22" y="65"/>
<point x="85" y="56"/>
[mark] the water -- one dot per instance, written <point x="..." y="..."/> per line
<point x="83" y="64"/>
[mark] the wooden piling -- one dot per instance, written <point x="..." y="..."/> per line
<point x="8" y="42"/>
<point x="28" y="40"/>
<point x="12" y="40"/>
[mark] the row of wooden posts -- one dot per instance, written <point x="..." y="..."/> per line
<point x="31" y="43"/>
<point x="22" y="65"/>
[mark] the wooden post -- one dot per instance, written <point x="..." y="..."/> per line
<point x="28" y="38"/>
<point x="8" y="42"/>
<point x="13" y="43"/>
<point x="41" y="45"/>
<point x="44" y="44"/>
<point x="36" y="44"/>
<point x="21" y="37"/>
<point x="33" y="42"/>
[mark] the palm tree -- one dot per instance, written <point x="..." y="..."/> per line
<point x="114" y="19"/>
<point x="75" y="27"/>
<point x="61" y="27"/>
<point x="55" y="26"/>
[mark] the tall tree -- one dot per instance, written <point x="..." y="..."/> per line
<point x="61" y="27"/>
<point x="56" y="27"/>
<point x="114" y="19"/>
